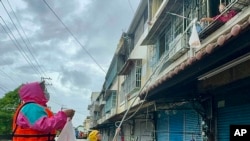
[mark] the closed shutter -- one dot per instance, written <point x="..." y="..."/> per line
<point x="176" y="126"/>
<point x="162" y="132"/>
<point x="192" y="126"/>
<point x="227" y="116"/>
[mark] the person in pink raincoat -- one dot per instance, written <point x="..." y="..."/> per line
<point x="33" y="120"/>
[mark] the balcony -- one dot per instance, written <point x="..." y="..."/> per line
<point x="161" y="21"/>
<point x="236" y="5"/>
<point x="107" y="116"/>
<point x="89" y="107"/>
<point x="113" y="111"/>
<point x="102" y="103"/>
<point x="96" y="108"/>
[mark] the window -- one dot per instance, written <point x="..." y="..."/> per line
<point x="162" y="45"/>
<point x="138" y="74"/>
<point x="153" y="56"/>
<point x="141" y="26"/>
<point x="111" y="102"/>
<point x="132" y="82"/>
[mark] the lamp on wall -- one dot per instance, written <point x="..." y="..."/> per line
<point x="224" y="67"/>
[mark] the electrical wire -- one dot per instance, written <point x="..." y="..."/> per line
<point x="76" y="39"/>
<point x="5" y="74"/>
<point x="18" y="21"/>
<point x="59" y="103"/>
<point x="131" y="7"/>
<point x="17" y="44"/>
<point x="22" y="40"/>
<point x="3" y="88"/>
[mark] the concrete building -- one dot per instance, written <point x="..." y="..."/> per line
<point x="169" y="90"/>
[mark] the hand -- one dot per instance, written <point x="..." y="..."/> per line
<point x="202" y="19"/>
<point x="118" y="130"/>
<point x="69" y="113"/>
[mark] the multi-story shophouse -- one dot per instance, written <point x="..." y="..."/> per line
<point x="94" y="109"/>
<point x="206" y="88"/>
<point x="186" y="93"/>
<point x="123" y="82"/>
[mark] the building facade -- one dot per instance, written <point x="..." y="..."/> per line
<point x="167" y="90"/>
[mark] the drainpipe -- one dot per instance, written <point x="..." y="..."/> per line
<point x="208" y="8"/>
<point x="149" y="11"/>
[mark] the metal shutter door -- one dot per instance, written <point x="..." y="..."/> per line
<point x="176" y="126"/>
<point x="162" y="132"/>
<point x="192" y="126"/>
<point x="231" y="115"/>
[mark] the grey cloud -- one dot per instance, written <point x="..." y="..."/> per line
<point x="75" y="78"/>
<point x="45" y="19"/>
<point x="28" y="69"/>
<point x="98" y="26"/>
<point x="101" y="20"/>
<point x="6" y="61"/>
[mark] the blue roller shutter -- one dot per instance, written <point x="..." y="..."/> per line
<point x="176" y="126"/>
<point x="162" y="132"/>
<point x="192" y="126"/>
<point x="227" y="116"/>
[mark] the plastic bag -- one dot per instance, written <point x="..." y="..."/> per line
<point x="194" y="40"/>
<point x="67" y="133"/>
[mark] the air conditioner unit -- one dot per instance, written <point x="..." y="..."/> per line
<point x="177" y="47"/>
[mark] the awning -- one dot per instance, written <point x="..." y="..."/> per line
<point x="127" y="66"/>
<point x="108" y="93"/>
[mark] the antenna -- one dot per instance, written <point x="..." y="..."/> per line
<point x="46" y="78"/>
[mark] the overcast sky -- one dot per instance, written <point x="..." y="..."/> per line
<point x="42" y="46"/>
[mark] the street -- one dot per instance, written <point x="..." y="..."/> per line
<point x="76" y="139"/>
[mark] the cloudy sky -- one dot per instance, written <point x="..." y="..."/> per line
<point x="34" y="43"/>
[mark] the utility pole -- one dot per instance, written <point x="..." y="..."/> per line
<point x="45" y="78"/>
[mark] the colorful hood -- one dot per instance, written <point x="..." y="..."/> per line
<point x="32" y="92"/>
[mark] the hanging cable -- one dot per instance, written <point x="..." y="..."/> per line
<point x="5" y="74"/>
<point x="22" y="39"/>
<point x="131" y="7"/>
<point x="17" y="44"/>
<point x="18" y="21"/>
<point x="76" y="39"/>
<point x="4" y="89"/>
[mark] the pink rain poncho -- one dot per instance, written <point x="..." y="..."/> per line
<point x="33" y="114"/>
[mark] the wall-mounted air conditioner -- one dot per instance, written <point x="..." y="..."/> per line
<point x="177" y="47"/>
